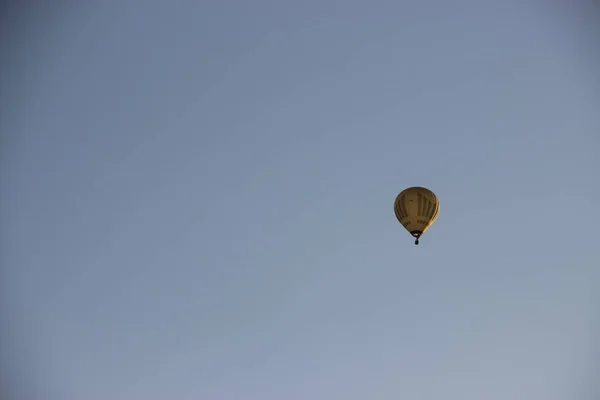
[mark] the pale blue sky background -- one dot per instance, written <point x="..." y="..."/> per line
<point x="197" y="200"/>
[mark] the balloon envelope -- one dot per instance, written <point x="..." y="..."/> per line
<point x="416" y="208"/>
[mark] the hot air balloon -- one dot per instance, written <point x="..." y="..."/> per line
<point x="416" y="208"/>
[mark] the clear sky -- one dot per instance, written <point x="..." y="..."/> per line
<point x="197" y="200"/>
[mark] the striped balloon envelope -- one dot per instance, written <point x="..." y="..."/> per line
<point x="417" y="208"/>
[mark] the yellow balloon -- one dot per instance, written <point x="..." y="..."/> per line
<point x="416" y="208"/>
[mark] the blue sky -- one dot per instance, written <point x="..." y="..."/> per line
<point x="197" y="200"/>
